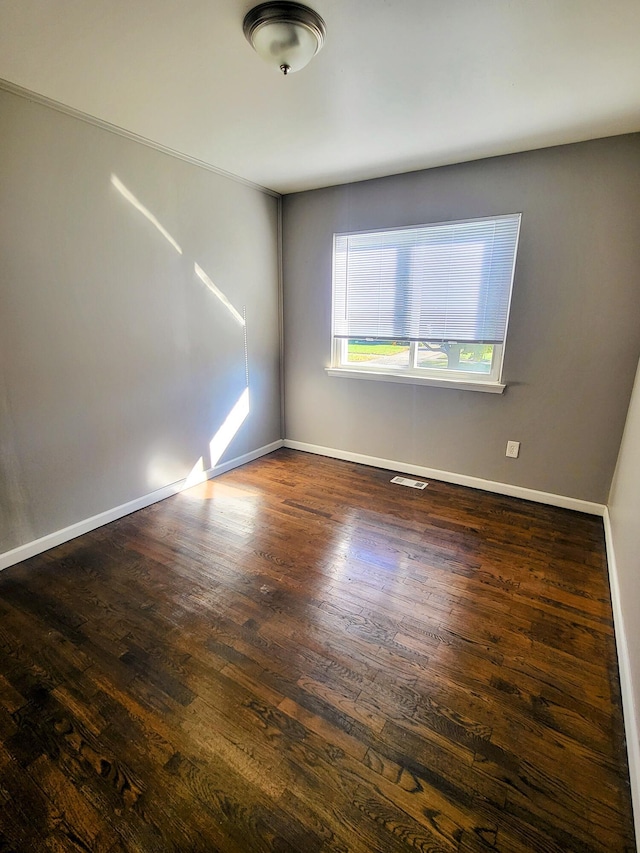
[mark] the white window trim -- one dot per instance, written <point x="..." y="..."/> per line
<point x="414" y="375"/>
<point x="412" y="379"/>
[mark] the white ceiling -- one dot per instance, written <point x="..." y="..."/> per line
<point x="399" y="85"/>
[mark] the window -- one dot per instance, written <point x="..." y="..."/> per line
<point x="425" y="304"/>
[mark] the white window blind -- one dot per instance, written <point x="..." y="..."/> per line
<point x="445" y="282"/>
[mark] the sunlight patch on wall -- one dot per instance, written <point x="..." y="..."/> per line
<point x="204" y="278"/>
<point x="126" y="193"/>
<point x="162" y="470"/>
<point x="196" y="475"/>
<point x="234" y="420"/>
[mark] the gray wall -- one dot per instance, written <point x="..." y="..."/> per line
<point x="573" y="339"/>
<point x="117" y="364"/>
<point x="624" y="513"/>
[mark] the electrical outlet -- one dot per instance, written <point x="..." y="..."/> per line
<point x="513" y="449"/>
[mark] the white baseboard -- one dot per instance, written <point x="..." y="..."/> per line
<point x="242" y="460"/>
<point x="37" y="546"/>
<point x="450" y="477"/>
<point x="631" y="721"/>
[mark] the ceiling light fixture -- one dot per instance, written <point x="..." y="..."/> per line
<point x="286" y="35"/>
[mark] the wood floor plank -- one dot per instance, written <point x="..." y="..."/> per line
<point x="301" y="656"/>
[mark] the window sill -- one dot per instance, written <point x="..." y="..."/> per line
<point x="487" y="387"/>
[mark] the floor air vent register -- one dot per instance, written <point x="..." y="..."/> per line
<point x="412" y="484"/>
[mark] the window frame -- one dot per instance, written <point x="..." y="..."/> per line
<point x="443" y="377"/>
<point x="340" y="365"/>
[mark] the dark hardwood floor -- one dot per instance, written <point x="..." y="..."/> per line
<point x="301" y="656"/>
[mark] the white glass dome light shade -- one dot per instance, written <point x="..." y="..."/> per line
<point x="285" y="44"/>
<point x="286" y="35"/>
